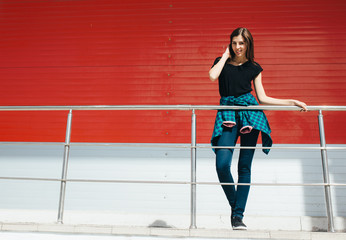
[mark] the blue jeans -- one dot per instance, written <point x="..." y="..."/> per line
<point x="237" y="197"/>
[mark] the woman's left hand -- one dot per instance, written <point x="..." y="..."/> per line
<point x="300" y="104"/>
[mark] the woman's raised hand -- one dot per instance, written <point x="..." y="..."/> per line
<point x="227" y="53"/>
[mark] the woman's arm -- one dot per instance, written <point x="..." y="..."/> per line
<point x="215" y="71"/>
<point x="264" y="99"/>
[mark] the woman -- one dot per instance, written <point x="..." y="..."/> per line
<point x="236" y="69"/>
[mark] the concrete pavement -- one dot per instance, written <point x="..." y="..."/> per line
<point x="38" y="231"/>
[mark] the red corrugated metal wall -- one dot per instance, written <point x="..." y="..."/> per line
<point x="159" y="52"/>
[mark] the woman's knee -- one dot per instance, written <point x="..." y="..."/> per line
<point x="244" y="171"/>
<point x="223" y="160"/>
<point x="245" y="162"/>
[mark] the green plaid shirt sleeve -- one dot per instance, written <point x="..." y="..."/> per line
<point x="255" y="118"/>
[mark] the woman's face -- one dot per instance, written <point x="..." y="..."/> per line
<point x="239" y="46"/>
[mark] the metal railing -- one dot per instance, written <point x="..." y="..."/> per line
<point x="323" y="148"/>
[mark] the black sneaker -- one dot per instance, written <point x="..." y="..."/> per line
<point x="237" y="224"/>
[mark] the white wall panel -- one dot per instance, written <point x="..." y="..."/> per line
<point x="142" y="204"/>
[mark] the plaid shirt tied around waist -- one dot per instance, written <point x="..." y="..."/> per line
<point x="253" y="118"/>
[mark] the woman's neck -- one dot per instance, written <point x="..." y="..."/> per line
<point x="238" y="61"/>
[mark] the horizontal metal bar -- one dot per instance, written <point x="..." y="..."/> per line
<point x="135" y="145"/>
<point x="168" y="107"/>
<point x="272" y="184"/>
<point x="33" y="143"/>
<point x="283" y="147"/>
<point x="153" y="145"/>
<point x="165" y="182"/>
<point x="31" y="179"/>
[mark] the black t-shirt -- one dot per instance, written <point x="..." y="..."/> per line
<point x="236" y="80"/>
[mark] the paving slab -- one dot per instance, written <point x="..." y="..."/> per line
<point x="156" y="232"/>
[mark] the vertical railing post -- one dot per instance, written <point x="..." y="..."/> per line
<point x="193" y="170"/>
<point x="64" y="168"/>
<point x="325" y="170"/>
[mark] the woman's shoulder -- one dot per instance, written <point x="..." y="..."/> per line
<point x="216" y="61"/>
<point x="256" y="66"/>
<point x="255" y="69"/>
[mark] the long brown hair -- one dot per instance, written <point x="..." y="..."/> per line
<point x="245" y="33"/>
